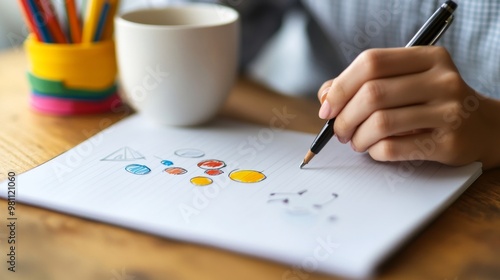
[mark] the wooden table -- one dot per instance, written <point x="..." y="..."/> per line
<point x="462" y="243"/>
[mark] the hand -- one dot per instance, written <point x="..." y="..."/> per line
<point x="412" y="104"/>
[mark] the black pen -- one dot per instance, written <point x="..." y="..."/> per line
<point x="428" y="34"/>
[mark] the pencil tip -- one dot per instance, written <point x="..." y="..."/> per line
<point x="307" y="159"/>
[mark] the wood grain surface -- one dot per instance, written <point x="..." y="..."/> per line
<point x="462" y="243"/>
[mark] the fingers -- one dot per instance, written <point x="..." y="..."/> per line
<point x="404" y="104"/>
<point x="376" y="64"/>
<point x="422" y="146"/>
<point x="401" y="91"/>
<point x="401" y="121"/>
<point x="410" y="147"/>
<point x="323" y="90"/>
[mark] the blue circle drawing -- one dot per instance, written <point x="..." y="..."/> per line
<point x="138" y="169"/>
<point x="167" y="162"/>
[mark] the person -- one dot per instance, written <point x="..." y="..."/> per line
<point x="437" y="103"/>
<point x="414" y="103"/>
<point x="432" y="103"/>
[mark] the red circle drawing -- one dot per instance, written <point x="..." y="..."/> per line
<point x="211" y="164"/>
<point x="213" y="172"/>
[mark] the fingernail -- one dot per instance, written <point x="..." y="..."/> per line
<point x="323" y="94"/>
<point x="324" y="111"/>
<point x="342" y="140"/>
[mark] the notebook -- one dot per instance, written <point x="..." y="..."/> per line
<point x="239" y="187"/>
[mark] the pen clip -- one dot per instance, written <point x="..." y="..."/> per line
<point x="446" y="25"/>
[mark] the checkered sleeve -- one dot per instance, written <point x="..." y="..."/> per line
<point x="473" y="40"/>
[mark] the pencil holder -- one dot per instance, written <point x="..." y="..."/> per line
<point x="68" y="79"/>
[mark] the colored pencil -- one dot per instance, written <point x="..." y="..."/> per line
<point x="53" y="25"/>
<point x="75" y="30"/>
<point x="39" y="21"/>
<point x="91" y="20"/>
<point x="101" y="25"/>
<point x="29" y="19"/>
<point x="109" y="29"/>
<point x="41" y="18"/>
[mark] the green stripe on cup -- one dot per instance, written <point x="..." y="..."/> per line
<point x="57" y="89"/>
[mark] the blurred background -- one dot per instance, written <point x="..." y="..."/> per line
<point x="12" y="28"/>
<point x="270" y="62"/>
<point x="13" y="31"/>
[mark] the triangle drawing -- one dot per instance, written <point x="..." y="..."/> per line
<point x="124" y="154"/>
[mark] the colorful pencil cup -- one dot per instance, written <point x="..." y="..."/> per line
<point x="69" y="79"/>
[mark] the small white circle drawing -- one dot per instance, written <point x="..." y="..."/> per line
<point x="189" y="153"/>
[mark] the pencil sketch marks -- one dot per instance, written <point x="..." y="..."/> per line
<point x="247" y="176"/>
<point x="189" y="153"/>
<point x="303" y="202"/>
<point x="286" y="199"/>
<point x="321" y="205"/>
<point x="137" y="169"/>
<point x="289" y="193"/>
<point x="124" y="154"/>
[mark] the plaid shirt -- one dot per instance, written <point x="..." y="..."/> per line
<point x="473" y="39"/>
<point x="332" y="33"/>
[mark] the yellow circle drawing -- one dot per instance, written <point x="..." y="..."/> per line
<point x="201" y="181"/>
<point x="247" y="176"/>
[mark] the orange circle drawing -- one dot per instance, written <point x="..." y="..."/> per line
<point x="247" y="176"/>
<point x="176" y="170"/>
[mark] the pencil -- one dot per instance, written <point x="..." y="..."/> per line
<point x="109" y="25"/>
<point x="102" y="21"/>
<point x="91" y="20"/>
<point x="39" y="21"/>
<point x="323" y="137"/>
<point x="52" y="23"/>
<point x="28" y="18"/>
<point x="73" y="21"/>
<point x="428" y="34"/>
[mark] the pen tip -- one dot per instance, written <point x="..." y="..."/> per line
<point x="302" y="164"/>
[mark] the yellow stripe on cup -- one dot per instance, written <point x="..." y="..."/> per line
<point x="83" y="66"/>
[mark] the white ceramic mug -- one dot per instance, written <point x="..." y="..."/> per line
<point x="177" y="64"/>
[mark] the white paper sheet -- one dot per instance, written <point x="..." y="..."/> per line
<point x="343" y="214"/>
